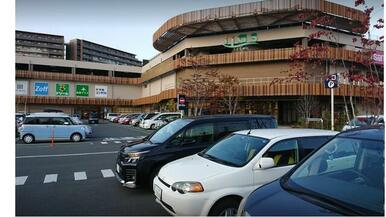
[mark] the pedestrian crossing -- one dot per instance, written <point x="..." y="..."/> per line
<point x="53" y="178"/>
<point x="119" y="140"/>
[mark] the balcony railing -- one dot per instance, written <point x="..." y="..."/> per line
<point x="75" y="77"/>
<point x="250" y="57"/>
<point x="48" y="100"/>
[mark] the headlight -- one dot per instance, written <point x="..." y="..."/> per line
<point x="184" y="187"/>
<point x="133" y="157"/>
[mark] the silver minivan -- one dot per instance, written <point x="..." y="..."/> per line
<point x="51" y="126"/>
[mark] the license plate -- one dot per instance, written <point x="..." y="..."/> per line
<point x="157" y="192"/>
<point x="118" y="168"/>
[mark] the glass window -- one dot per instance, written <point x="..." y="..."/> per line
<point x="31" y="120"/>
<point x="225" y="128"/>
<point x="235" y="150"/>
<point x="348" y="170"/>
<point x="284" y="153"/>
<point x="200" y="134"/>
<point x="57" y="121"/>
<point x="44" y="121"/>
<point x="169" y="130"/>
<point x="265" y="123"/>
<point x="308" y="144"/>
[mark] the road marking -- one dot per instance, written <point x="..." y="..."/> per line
<point x="20" y="180"/>
<point x="50" y="178"/>
<point x="107" y="173"/>
<point x="66" y="155"/>
<point x="80" y="176"/>
<point x="104" y="143"/>
<point x="117" y="142"/>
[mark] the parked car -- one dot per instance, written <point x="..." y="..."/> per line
<point x="359" y="121"/>
<point x="47" y="126"/>
<point x="139" y="162"/>
<point x="156" y="119"/>
<point x="110" y="115"/>
<point x="135" y="120"/>
<point x="77" y="121"/>
<point x="343" y="177"/>
<point x="116" y="119"/>
<point x="146" y="117"/>
<point x="93" y="118"/>
<point x="166" y="120"/>
<point x="379" y="120"/>
<point x="219" y="177"/>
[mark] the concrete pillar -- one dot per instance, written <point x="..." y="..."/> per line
<point x="110" y="73"/>
<point x="304" y="42"/>
<point x="73" y="70"/>
<point x="30" y="67"/>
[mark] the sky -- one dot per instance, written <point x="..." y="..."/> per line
<point x="126" y="25"/>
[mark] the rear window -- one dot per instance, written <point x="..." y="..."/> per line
<point x="265" y="123"/>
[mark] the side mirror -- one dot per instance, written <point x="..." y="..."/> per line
<point x="265" y="163"/>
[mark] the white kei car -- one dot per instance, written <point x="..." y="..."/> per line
<point x="214" y="181"/>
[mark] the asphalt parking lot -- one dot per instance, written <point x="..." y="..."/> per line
<point x="77" y="178"/>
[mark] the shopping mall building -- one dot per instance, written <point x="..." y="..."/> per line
<point x="254" y="42"/>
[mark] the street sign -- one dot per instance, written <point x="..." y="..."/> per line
<point x="81" y="90"/>
<point x="181" y="102"/>
<point x="332" y="81"/>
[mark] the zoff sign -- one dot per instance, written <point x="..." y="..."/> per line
<point x="101" y="91"/>
<point x="21" y="87"/>
<point x="41" y="88"/>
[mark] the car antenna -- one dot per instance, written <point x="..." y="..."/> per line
<point x="250" y="128"/>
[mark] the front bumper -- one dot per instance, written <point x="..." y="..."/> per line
<point x="123" y="182"/>
<point x="190" y="204"/>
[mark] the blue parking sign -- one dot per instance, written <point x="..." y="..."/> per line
<point x="41" y="88"/>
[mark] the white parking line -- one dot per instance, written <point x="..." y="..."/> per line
<point x="117" y="142"/>
<point x="50" y="178"/>
<point x="66" y="155"/>
<point x="107" y="173"/>
<point x="20" y="180"/>
<point x="80" y="176"/>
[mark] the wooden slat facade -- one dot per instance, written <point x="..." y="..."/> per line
<point x="75" y="77"/>
<point x="251" y="9"/>
<point x="249" y="57"/>
<point x="284" y="89"/>
<point x="49" y="100"/>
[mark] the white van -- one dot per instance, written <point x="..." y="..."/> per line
<point x="214" y="181"/>
<point x="46" y="126"/>
<point x="159" y="118"/>
<point x="109" y="116"/>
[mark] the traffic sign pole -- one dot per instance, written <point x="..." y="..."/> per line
<point x="332" y="108"/>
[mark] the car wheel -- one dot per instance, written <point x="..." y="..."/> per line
<point x="227" y="207"/>
<point x="28" y="138"/>
<point x="152" y="127"/>
<point x="76" y="137"/>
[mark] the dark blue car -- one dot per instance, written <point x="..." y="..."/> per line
<point x="343" y="177"/>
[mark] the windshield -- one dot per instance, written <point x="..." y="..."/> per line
<point x="348" y="171"/>
<point x="235" y="150"/>
<point x="169" y="130"/>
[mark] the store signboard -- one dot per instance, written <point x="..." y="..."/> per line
<point x="240" y="40"/>
<point x="378" y="57"/>
<point x="41" y="88"/>
<point x="21" y="87"/>
<point x="101" y="91"/>
<point x="81" y="90"/>
<point x="62" y="89"/>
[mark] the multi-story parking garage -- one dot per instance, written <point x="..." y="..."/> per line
<point x="253" y="41"/>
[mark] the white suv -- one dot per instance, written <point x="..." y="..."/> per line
<point x="214" y="181"/>
<point x="156" y="120"/>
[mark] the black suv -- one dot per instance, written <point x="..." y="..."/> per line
<point x="139" y="162"/>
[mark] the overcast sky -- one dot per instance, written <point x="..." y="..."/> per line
<point x="127" y="25"/>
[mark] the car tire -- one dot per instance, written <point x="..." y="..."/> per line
<point x="28" y="138"/>
<point x="76" y="137"/>
<point x="226" y="207"/>
<point x="152" y="127"/>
